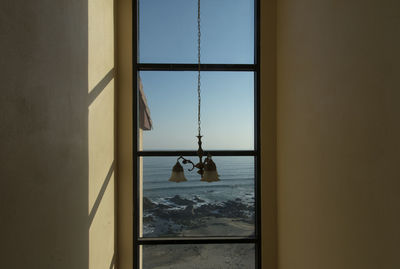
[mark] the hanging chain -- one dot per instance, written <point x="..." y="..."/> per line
<point x="198" y="61"/>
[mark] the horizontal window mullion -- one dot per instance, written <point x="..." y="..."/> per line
<point x="194" y="153"/>
<point x="194" y="67"/>
<point x="197" y="240"/>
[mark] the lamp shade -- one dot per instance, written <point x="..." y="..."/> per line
<point x="210" y="173"/>
<point x="177" y="174"/>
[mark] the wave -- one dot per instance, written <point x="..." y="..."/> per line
<point x="195" y="181"/>
<point x="212" y="186"/>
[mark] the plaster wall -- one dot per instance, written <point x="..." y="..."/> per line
<point x="268" y="133"/>
<point x="338" y="134"/>
<point x="102" y="128"/>
<point x="57" y="134"/>
<point x="124" y="139"/>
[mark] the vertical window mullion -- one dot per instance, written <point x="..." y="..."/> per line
<point x="257" y="146"/>
<point x="135" y="200"/>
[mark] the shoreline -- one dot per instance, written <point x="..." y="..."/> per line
<point x="179" y="216"/>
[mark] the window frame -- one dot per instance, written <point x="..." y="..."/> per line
<point x="136" y="68"/>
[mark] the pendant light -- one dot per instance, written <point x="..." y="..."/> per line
<point x="210" y="173"/>
<point x="207" y="168"/>
<point x="177" y="174"/>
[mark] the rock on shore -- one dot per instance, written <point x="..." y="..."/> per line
<point x="178" y="214"/>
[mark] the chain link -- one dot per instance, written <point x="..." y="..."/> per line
<point x="198" y="61"/>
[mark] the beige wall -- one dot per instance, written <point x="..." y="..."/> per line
<point x="101" y="134"/>
<point x="44" y="134"/>
<point x="124" y="145"/>
<point x="338" y="134"/>
<point x="268" y="133"/>
<point x="57" y="134"/>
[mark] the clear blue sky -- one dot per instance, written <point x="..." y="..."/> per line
<point x="168" y="34"/>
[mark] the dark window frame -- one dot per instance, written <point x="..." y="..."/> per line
<point x="255" y="68"/>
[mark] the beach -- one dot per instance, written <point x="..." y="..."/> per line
<point x="181" y="217"/>
<point x="198" y="209"/>
<point x="217" y="256"/>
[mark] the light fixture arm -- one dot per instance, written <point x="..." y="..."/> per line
<point x="186" y="161"/>
<point x="200" y="165"/>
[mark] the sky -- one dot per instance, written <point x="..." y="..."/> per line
<point x="168" y="34"/>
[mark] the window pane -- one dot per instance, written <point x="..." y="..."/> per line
<point x="227" y="110"/>
<point x="200" y="256"/>
<point x="168" y="31"/>
<point x="196" y="208"/>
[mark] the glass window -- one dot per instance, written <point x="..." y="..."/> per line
<point x="196" y="208"/>
<point x="167" y="31"/>
<point x="227" y="110"/>
<point x="193" y="223"/>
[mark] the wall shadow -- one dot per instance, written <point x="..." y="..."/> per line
<point x="103" y="189"/>
<point x="98" y="89"/>
<point x="44" y="134"/>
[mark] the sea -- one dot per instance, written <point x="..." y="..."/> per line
<point x="236" y="175"/>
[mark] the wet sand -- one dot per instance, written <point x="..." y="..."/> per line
<point x="204" y="256"/>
